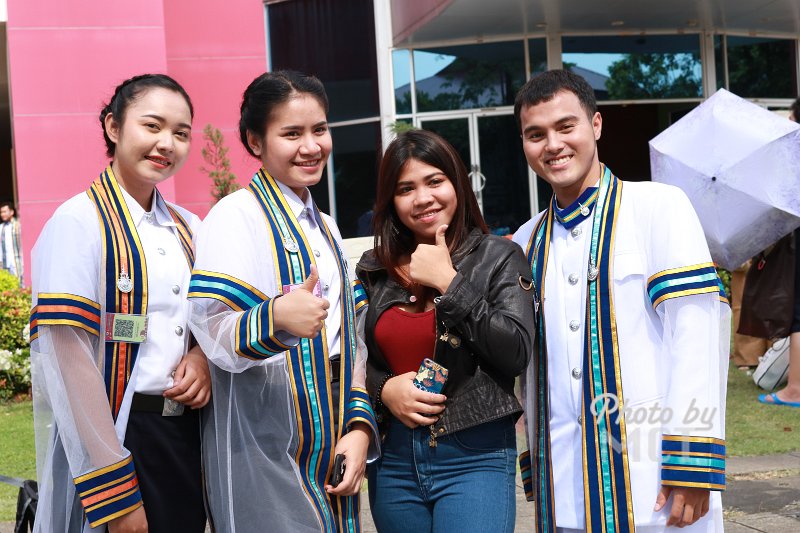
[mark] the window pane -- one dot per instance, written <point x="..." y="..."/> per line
<point x="537" y="53"/>
<point x="307" y="35"/>
<point x="319" y="193"/>
<point x="760" y="67"/>
<point x="401" y="68"/>
<point x="468" y="76"/>
<point x="637" y="67"/>
<point x="355" y="167"/>
<point x="505" y="194"/>
<point x="719" y="60"/>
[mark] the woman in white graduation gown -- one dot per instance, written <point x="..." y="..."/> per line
<point x="116" y="379"/>
<point x="274" y="308"/>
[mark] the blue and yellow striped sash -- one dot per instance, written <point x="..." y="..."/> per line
<point x="307" y="363"/>
<point x="123" y="252"/>
<point x="605" y="463"/>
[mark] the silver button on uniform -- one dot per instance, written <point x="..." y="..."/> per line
<point x="573" y="279"/>
<point x="576" y="231"/>
<point x="176" y="289"/>
<point x="178" y="330"/>
<point x="576" y="373"/>
<point x="580" y="420"/>
<point x="316" y="253"/>
<point x="162" y="251"/>
<point x="574" y="325"/>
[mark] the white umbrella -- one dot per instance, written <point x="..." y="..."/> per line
<point x="740" y="166"/>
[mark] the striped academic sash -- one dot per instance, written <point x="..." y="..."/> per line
<point x="607" y="493"/>
<point x="123" y="255"/>
<point x="307" y="363"/>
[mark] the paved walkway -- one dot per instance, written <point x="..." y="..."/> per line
<point x="763" y="495"/>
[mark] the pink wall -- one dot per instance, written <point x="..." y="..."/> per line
<point x="214" y="51"/>
<point x="65" y="58"/>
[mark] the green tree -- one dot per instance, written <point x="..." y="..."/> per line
<point x="641" y="76"/>
<point x="215" y="154"/>
<point x="761" y="69"/>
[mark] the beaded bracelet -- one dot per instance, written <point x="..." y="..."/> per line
<point x="378" y="402"/>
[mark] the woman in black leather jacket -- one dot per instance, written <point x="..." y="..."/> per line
<point x="440" y="287"/>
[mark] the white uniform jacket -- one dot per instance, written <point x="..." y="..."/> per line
<point x="269" y="437"/>
<point x="81" y="397"/>
<point x="665" y="352"/>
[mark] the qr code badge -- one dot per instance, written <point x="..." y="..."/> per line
<point x="126" y="328"/>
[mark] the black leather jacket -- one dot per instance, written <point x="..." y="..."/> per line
<point x="487" y="309"/>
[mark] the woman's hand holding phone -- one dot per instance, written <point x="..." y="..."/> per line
<point x="409" y="404"/>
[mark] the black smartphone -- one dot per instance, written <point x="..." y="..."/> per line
<point x="338" y="469"/>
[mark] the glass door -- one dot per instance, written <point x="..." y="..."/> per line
<point x="492" y="152"/>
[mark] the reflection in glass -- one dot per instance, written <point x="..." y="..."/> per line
<point x="637" y="67"/>
<point x="719" y="60"/>
<point x="537" y="53"/>
<point x="505" y="194"/>
<point x="401" y="69"/>
<point x="456" y="132"/>
<point x="355" y="167"/>
<point x="468" y="76"/>
<point x="320" y="194"/>
<point x="762" y="67"/>
<point x="307" y="35"/>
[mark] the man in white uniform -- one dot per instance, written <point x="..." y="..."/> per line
<point x="628" y="382"/>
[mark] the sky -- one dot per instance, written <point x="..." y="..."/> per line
<point x="427" y="64"/>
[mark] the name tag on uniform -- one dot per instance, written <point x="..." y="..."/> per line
<point x="121" y="327"/>
<point x="317" y="289"/>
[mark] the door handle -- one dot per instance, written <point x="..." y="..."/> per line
<point x="480" y="182"/>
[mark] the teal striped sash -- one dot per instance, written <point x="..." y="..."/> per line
<point x="307" y="363"/>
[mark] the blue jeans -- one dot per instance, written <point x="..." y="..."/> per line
<point x="464" y="484"/>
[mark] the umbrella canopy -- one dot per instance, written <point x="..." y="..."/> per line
<point x="739" y="164"/>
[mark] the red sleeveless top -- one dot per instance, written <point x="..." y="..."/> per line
<point x="405" y="339"/>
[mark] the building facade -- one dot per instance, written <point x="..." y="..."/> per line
<point x="452" y="66"/>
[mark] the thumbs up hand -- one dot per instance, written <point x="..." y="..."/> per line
<point x="300" y="313"/>
<point x="431" y="265"/>
<point x="311" y="280"/>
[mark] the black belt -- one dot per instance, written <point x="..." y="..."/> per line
<point x="148" y="403"/>
<point x="336" y="367"/>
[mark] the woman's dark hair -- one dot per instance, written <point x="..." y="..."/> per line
<point x="130" y="90"/>
<point x="267" y="92"/>
<point x="392" y="238"/>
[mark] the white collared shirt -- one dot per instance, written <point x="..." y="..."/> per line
<point x="168" y="276"/>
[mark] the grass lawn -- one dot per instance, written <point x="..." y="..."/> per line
<point x="17" y="453"/>
<point x="752" y="429"/>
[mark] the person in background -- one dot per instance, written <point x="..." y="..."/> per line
<point x="11" y="241"/>
<point x="117" y="381"/>
<point x="631" y="321"/>
<point x="790" y="395"/>
<point x="440" y="287"/>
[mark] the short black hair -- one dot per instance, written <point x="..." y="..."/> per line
<point x="270" y="90"/>
<point x="543" y="87"/>
<point x="128" y="91"/>
<point x="9" y="205"/>
<point x="795" y="107"/>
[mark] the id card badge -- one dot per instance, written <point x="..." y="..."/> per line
<point x="317" y="289"/>
<point x="172" y="408"/>
<point x="126" y="328"/>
